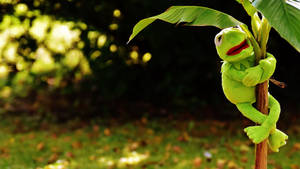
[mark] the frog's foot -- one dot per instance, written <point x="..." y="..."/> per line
<point x="277" y="139"/>
<point x="257" y="133"/>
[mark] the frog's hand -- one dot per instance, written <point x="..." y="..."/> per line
<point x="253" y="76"/>
<point x="228" y="70"/>
<point x="277" y="139"/>
<point x="268" y="65"/>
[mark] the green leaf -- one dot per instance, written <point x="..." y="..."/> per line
<point x="284" y="17"/>
<point x="190" y="16"/>
<point x="247" y="6"/>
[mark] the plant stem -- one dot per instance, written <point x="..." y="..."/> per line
<point x="261" y="150"/>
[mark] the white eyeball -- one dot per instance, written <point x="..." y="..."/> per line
<point x="218" y="39"/>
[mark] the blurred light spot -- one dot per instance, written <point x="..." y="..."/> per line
<point x="113" y="48"/>
<point x="134" y="55"/>
<point x="98" y="8"/>
<point x="8" y="1"/>
<point x="101" y="40"/>
<point x="93" y="35"/>
<point x="10" y="53"/>
<point x="3" y="71"/>
<point x="80" y="44"/>
<point x="117" y="13"/>
<point x="113" y="26"/>
<point x="82" y="25"/>
<point x="73" y="58"/>
<point x="39" y="27"/>
<point x="133" y="158"/>
<point x="3" y="39"/>
<point x="44" y="62"/>
<point x="21" y="9"/>
<point x="57" y="5"/>
<point x="5" y="92"/>
<point x="16" y="31"/>
<point x="105" y="162"/>
<point x="36" y="3"/>
<point x="109" y="62"/>
<point x="85" y="67"/>
<point x="21" y="65"/>
<point x="147" y="57"/>
<point x="95" y="54"/>
<point x="62" y="37"/>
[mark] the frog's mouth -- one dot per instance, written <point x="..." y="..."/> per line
<point x="238" y="48"/>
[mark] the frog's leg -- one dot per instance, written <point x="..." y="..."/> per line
<point x="277" y="138"/>
<point x="251" y="112"/>
<point x="259" y="133"/>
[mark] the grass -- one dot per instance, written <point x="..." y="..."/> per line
<point x="153" y="144"/>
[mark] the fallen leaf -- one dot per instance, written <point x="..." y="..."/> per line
<point x="107" y="132"/>
<point x="296" y="146"/>
<point x="134" y="146"/>
<point x="168" y="147"/>
<point x="175" y="160"/>
<point x="232" y="165"/>
<point x="184" y="137"/>
<point x="70" y="155"/>
<point x="144" y="120"/>
<point x="76" y="145"/>
<point x="244" y="149"/>
<point x="150" y="132"/>
<point x="53" y="158"/>
<point x="244" y="159"/>
<point x="39" y="159"/>
<point x="197" y="162"/>
<point x="92" y="157"/>
<point x="55" y="149"/>
<point x="221" y="163"/>
<point x="40" y="146"/>
<point x="295" y="166"/>
<point x="31" y="136"/>
<point x="95" y="128"/>
<point x="67" y="139"/>
<point x="177" y="149"/>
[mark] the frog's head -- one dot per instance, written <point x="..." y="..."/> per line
<point x="232" y="44"/>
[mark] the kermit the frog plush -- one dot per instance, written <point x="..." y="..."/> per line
<point x="240" y="75"/>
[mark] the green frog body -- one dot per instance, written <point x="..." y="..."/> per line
<point x="240" y="75"/>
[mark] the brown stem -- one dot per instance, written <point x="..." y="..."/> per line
<point x="261" y="151"/>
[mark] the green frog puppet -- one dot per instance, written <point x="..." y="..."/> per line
<point x="240" y="75"/>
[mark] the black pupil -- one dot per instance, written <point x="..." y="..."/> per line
<point x="236" y="27"/>
<point x="219" y="38"/>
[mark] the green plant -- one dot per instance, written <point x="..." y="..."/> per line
<point x="283" y="16"/>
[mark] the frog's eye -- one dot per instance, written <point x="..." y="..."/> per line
<point x="236" y="26"/>
<point x="218" y="40"/>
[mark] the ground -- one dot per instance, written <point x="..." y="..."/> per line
<point x="26" y="143"/>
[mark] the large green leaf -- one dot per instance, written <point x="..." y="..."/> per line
<point x="247" y="6"/>
<point x="190" y="16"/>
<point x="284" y="16"/>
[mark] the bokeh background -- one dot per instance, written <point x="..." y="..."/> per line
<point x="70" y="58"/>
<point x="74" y="94"/>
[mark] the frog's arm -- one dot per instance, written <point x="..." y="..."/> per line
<point x="268" y="65"/>
<point x="228" y="70"/>
<point x="260" y="73"/>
